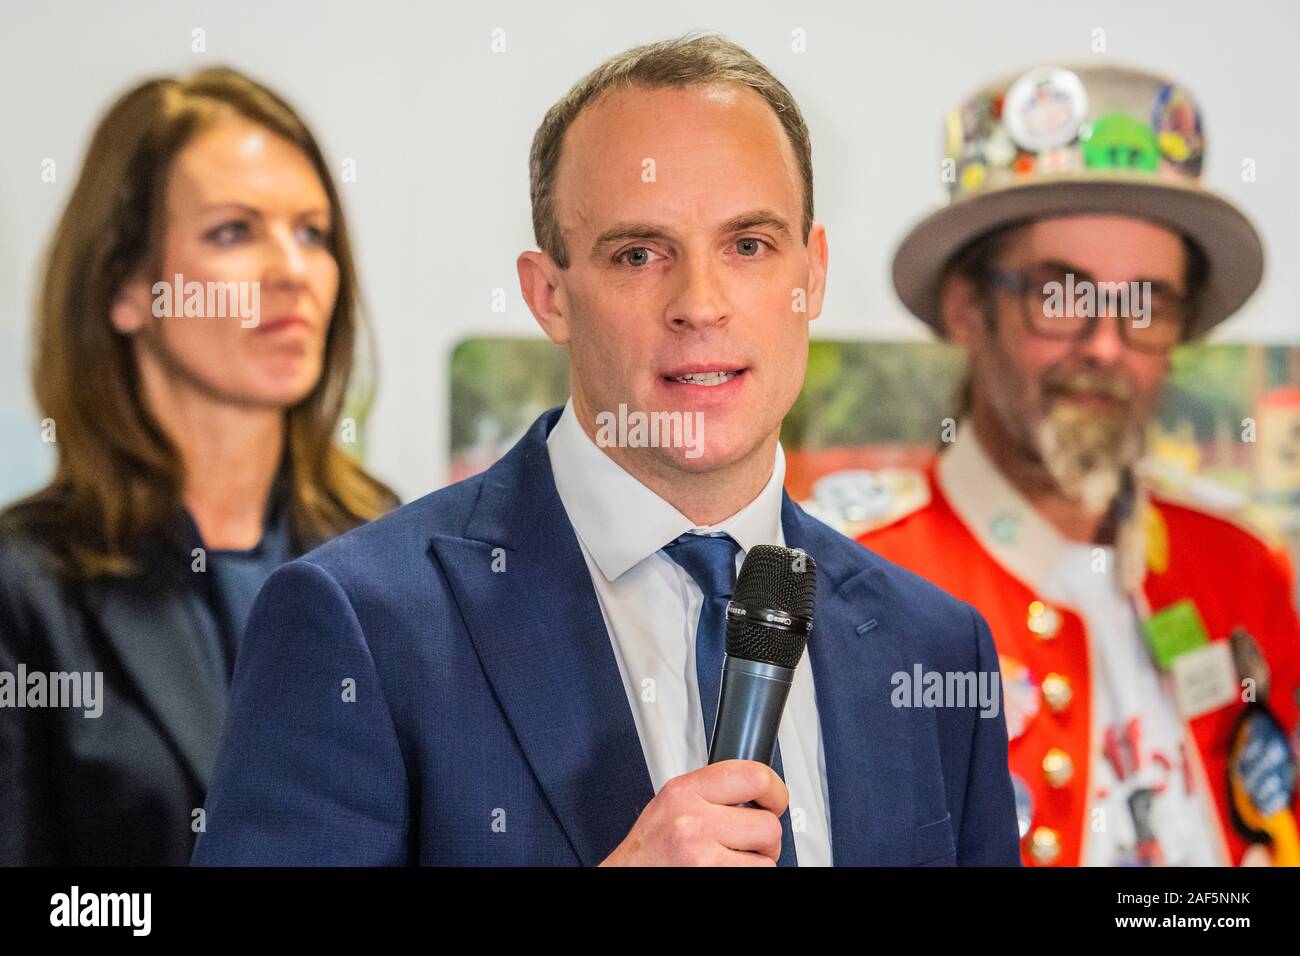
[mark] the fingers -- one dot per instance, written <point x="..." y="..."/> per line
<point x="735" y="858"/>
<point x="749" y="831"/>
<point x="741" y="781"/>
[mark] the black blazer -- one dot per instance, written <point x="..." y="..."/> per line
<point x="121" y="788"/>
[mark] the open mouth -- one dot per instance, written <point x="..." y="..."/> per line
<point x="701" y="376"/>
<point x="707" y="379"/>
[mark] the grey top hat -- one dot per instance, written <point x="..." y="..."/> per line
<point x="1089" y="140"/>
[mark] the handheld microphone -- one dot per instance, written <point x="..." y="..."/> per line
<point x="769" y="619"/>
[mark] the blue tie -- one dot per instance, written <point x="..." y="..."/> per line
<point x="710" y="560"/>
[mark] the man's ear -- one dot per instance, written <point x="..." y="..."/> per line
<point x="818" y="256"/>
<point x="961" y="313"/>
<point x="539" y="281"/>
<point x="132" y="307"/>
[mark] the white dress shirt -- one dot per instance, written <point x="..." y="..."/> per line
<point x="651" y="607"/>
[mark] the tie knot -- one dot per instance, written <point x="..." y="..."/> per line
<point x="710" y="560"/>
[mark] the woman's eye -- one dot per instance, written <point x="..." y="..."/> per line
<point x="229" y="232"/>
<point x="749" y="247"/>
<point x="314" y="235"/>
<point x="640" y="256"/>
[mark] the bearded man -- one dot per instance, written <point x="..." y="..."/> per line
<point x="1148" y="649"/>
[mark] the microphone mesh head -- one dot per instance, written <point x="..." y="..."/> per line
<point x="777" y="579"/>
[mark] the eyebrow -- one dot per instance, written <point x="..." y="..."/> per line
<point x="762" y="218"/>
<point x="1164" y="286"/>
<point x="623" y="231"/>
<point x="254" y="211"/>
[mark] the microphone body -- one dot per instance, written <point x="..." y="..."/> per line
<point x="750" y="703"/>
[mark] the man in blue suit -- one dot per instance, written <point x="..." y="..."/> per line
<point x="521" y="668"/>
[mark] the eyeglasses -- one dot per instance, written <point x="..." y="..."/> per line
<point x="1068" y="306"/>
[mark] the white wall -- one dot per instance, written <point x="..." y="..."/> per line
<point x="439" y="127"/>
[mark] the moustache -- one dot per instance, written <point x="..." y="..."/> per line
<point x="1062" y="382"/>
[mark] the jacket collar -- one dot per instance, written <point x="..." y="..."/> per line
<point x="997" y="515"/>
<point x="152" y="627"/>
<point x="159" y="623"/>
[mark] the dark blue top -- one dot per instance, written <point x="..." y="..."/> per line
<point x="239" y="575"/>
<point x="234" y="576"/>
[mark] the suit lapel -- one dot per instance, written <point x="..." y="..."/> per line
<point x="537" y="628"/>
<point x="868" y="751"/>
<point x="155" y="633"/>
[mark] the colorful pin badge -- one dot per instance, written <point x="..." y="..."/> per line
<point x="1262" y="782"/>
<point x="1174" y="630"/>
<point x="977" y="117"/>
<point x="1176" y="121"/>
<point x="1059" y="160"/>
<point x="1045" y="108"/>
<point x="1118" y="141"/>
<point x="1024" y="164"/>
<point x="953" y="134"/>
<point x="1019" y="695"/>
<point x="972" y="177"/>
<point x="999" y="150"/>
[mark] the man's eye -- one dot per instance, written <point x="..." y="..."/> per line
<point x="749" y="247"/>
<point x="1049" y="278"/>
<point x="637" y="257"/>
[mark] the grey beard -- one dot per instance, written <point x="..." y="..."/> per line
<point x="1086" y="454"/>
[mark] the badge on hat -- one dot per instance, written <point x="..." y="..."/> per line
<point x="1118" y="141"/>
<point x="1176" y="121"/>
<point x="1045" y="108"/>
<point x="1072" y="128"/>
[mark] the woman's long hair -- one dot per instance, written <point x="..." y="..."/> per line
<point x="119" y="479"/>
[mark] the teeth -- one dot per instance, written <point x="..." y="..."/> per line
<point x="706" y="378"/>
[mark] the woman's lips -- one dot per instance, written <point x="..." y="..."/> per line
<point x="286" y="323"/>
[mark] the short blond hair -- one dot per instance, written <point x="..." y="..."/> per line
<point x="691" y="60"/>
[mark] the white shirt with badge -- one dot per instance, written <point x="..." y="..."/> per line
<point x="1146" y="806"/>
<point x="651" y="607"/>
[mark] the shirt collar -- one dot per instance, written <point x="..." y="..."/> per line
<point x="621" y="522"/>
<point x="1005" y="523"/>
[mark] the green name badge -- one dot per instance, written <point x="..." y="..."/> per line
<point x="1174" y="630"/>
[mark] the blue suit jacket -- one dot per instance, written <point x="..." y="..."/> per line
<point x="397" y="700"/>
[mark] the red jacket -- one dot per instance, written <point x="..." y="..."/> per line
<point x="1234" y="579"/>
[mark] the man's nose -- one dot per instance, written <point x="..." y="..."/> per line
<point x="701" y="299"/>
<point x="1106" y="343"/>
